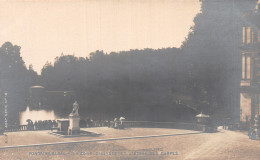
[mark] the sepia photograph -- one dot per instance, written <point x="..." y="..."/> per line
<point x="129" y="79"/>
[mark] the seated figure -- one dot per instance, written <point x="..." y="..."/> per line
<point x="75" y="110"/>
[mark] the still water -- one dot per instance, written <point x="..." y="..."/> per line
<point x="36" y="115"/>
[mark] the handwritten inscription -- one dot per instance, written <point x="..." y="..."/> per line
<point x="6" y="110"/>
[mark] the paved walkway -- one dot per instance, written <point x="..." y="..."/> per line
<point x="136" y="144"/>
<point x="96" y="140"/>
<point x="29" y="138"/>
<point x="228" y="144"/>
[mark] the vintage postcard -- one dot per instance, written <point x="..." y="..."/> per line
<point x="129" y="79"/>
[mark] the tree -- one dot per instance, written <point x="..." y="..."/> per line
<point x="15" y="79"/>
<point x="213" y="48"/>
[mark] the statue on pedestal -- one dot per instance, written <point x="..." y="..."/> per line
<point x="74" y="120"/>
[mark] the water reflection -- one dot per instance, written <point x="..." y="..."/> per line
<point x="36" y="115"/>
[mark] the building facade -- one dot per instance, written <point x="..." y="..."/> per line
<point x="250" y="82"/>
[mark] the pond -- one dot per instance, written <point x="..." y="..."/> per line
<point x="36" y="115"/>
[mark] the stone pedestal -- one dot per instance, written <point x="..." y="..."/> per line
<point x="73" y="124"/>
<point x="63" y="124"/>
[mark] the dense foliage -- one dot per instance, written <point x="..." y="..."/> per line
<point x="138" y="84"/>
<point x="15" y="80"/>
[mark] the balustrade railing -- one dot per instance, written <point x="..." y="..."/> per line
<point x="151" y="124"/>
<point x="125" y="124"/>
<point x="15" y="128"/>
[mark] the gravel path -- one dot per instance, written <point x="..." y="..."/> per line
<point x="230" y="145"/>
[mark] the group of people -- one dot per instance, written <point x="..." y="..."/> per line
<point x="118" y="123"/>
<point x="49" y="124"/>
<point x="41" y="125"/>
<point x="91" y="123"/>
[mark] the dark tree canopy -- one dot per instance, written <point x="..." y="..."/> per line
<point x="138" y="84"/>
<point x="213" y="48"/>
<point x="15" y="79"/>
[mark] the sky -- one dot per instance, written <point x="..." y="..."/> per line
<point x="46" y="28"/>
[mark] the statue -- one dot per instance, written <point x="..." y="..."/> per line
<point x="75" y="110"/>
